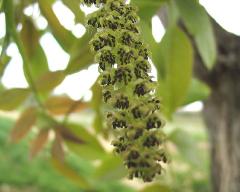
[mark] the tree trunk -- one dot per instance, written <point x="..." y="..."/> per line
<point x="222" y="112"/>
<point x="222" y="116"/>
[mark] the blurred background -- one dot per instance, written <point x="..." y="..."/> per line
<point x="53" y="136"/>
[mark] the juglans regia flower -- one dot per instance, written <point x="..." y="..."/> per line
<point x="128" y="89"/>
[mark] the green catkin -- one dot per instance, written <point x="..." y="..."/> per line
<point x="134" y="109"/>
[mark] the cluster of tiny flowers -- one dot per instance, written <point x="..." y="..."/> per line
<point x="128" y="88"/>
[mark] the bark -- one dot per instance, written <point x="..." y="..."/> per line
<point x="222" y="117"/>
<point x="222" y="113"/>
<point x="222" y="109"/>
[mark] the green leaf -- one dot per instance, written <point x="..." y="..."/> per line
<point x="81" y="55"/>
<point x="176" y="56"/>
<point x="1" y="2"/>
<point x="198" y="91"/>
<point x="146" y="29"/>
<point x="74" y="6"/>
<point x="91" y="148"/>
<point x="156" y="188"/>
<point x="36" y="56"/>
<point x="49" y="80"/>
<point x="173" y="14"/>
<point x="11" y="30"/>
<point x="64" y="37"/>
<point x="70" y="173"/>
<point x="96" y="104"/>
<point x="8" y="10"/>
<point x="148" y="8"/>
<point x="4" y="60"/>
<point x="12" y="98"/>
<point x="198" y="23"/>
<point x="111" y="168"/>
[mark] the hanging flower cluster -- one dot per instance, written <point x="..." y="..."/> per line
<point x="127" y="87"/>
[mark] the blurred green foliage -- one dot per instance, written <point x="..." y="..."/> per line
<point x="188" y="170"/>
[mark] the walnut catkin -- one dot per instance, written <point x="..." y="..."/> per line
<point x="128" y="89"/>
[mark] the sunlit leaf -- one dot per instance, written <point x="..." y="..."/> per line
<point x="38" y="142"/>
<point x="199" y="25"/>
<point x="10" y="99"/>
<point x="176" y="56"/>
<point x="70" y="173"/>
<point x="24" y="124"/>
<point x="64" y="37"/>
<point x="49" y="80"/>
<point x="59" y="105"/>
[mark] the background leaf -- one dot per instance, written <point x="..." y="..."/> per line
<point x="57" y="147"/>
<point x="198" y="91"/>
<point x="74" y="6"/>
<point x="70" y="173"/>
<point x="23" y="125"/>
<point x="38" y="143"/>
<point x="49" y="80"/>
<point x="111" y="168"/>
<point x="4" y="60"/>
<point x="30" y="38"/>
<point x="10" y="99"/>
<point x="64" y="37"/>
<point x="199" y="25"/>
<point x="59" y="105"/>
<point x="81" y="56"/>
<point x="97" y="105"/>
<point x="91" y="148"/>
<point x="176" y="56"/>
<point x="148" y="8"/>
